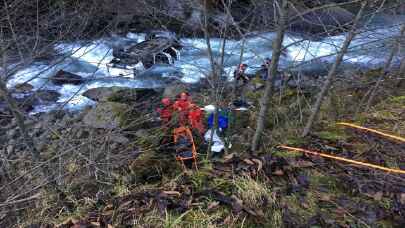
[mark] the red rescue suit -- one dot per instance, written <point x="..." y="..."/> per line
<point x="182" y="107"/>
<point x="166" y="111"/>
<point x="195" y="117"/>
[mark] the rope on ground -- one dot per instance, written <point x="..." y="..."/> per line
<point x="394" y="137"/>
<point x="344" y="159"/>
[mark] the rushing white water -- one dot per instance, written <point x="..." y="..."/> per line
<point x="90" y="60"/>
<point x="178" y="54"/>
<point x="169" y="57"/>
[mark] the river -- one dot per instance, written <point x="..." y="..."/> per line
<point x="89" y="59"/>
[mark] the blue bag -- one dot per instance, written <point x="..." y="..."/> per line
<point x="222" y="121"/>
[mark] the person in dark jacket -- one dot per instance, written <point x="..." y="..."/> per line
<point x="265" y="68"/>
<point x="240" y="74"/>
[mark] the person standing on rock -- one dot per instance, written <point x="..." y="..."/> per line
<point x="266" y="68"/>
<point x="241" y="80"/>
<point x="240" y="74"/>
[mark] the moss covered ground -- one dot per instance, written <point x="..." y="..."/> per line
<point x="271" y="187"/>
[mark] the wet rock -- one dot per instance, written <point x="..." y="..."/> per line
<point x="106" y="115"/>
<point x="63" y="77"/>
<point x="24" y="101"/>
<point x="330" y="19"/>
<point x="101" y="94"/>
<point x="23" y="88"/>
<point x="129" y="96"/>
<point x="47" y="95"/>
<point x="120" y="94"/>
<point x="3" y="110"/>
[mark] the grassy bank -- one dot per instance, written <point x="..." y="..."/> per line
<point x="270" y="188"/>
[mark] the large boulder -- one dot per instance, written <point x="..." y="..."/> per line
<point x="23" y="88"/>
<point x="101" y="93"/>
<point x="107" y="115"/>
<point x="63" y="77"/>
<point x="47" y="95"/>
<point x="3" y="109"/>
<point x="130" y="96"/>
<point x="121" y="94"/>
<point x="25" y="102"/>
<point x="333" y="19"/>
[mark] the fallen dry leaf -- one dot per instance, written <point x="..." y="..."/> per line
<point x="213" y="205"/>
<point x="402" y="198"/>
<point x="229" y="157"/>
<point x="302" y="164"/>
<point x="259" y="164"/>
<point x="305" y="205"/>
<point x="227" y="220"/>
<point x="378" y="196"/>
<point x="248" y="161"/>
<point x="108" y="213"/>
<point x="172" y="193"/>
<point x="67" y="222"/>
<point x="126" y="204"/>
<point x="278" y="172"/>
<point x="325" y="197"/>
<point x="95" y="224"/>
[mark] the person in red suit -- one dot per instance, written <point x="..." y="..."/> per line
<point x="195" y="117"/>
<point x="182" y="107"/>
<point x="166" y="111"/>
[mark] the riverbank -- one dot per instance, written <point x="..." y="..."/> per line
<point x="109" y="168"/>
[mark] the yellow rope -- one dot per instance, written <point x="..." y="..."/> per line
<point x="398" y="138"/>
<point x="344" y="159"/>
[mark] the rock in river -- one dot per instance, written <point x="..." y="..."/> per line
<point x="23" y="88"/>
<point x="47" y="95"/>
<point x="63" y="77"/>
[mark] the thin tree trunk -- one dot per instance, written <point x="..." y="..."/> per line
<point x="12" y="105"/>
<point x="265" y="99"/>
<point x="401" y="73"/>
<point x="216" y="72"/>
<point x="387" y="65"/>
<point x="331" y="75"/>
<point x="20" y="120"/>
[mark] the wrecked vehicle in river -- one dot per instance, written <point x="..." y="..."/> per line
<point x="159" y="47"/>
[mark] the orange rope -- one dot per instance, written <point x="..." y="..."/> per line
<point x="343" y="159"/>
<point x="398" y="138"/>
